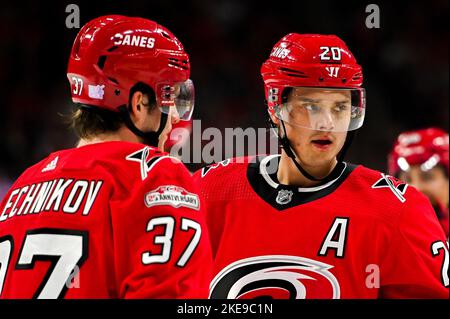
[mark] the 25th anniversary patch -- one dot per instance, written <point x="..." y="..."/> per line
<point x="172" y="195"/>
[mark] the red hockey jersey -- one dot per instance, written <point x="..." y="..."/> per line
<point x="442" y="213"/>
<point x="362" y="234"/>
<point x="106" y="220"/>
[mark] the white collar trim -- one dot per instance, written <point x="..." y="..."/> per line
<point x="265" y="174"/>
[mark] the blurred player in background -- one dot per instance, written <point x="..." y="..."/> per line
<point x="113" y="217"/>
<point x="305" y="223"/>
<point x="420" y="158"/>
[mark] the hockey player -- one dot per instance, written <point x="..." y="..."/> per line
<point x="304" y="223"/>
<point x="420" y="158"/>
<point x="113" y="217"/>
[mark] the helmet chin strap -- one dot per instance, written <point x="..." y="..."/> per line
<point x="286" y="145"/>
<point x="150" y="138"/>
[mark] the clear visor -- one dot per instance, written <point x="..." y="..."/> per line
<point x="324" y="109"/>
<point x="177" y="97"/>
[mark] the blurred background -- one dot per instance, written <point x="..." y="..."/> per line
<point x="405" y="64"/>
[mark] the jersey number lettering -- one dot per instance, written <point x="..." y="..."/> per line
<point x="66" y="249"/>
<point x="165" y="240"/>
<point x="436" y="249"/>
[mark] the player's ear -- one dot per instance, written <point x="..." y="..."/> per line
<point x="137" y="107"/>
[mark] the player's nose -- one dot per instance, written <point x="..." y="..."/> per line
<point x="325" y="122"/>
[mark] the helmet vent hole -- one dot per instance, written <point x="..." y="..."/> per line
<point x="101" y="61"/>
<point x="177" y="63"/>
<point x="294" y="73"/>
<point x="356" y="77"/>
<point x="113" y="80"/>
<point x="165" y="34"/>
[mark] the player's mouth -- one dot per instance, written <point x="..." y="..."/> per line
<point x="322" y="143"/>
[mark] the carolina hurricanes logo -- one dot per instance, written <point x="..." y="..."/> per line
<point x="396" y="186"/>
<point x="147" y="160"/>
<point x="206" y="169"/>
<point x="277" y="277"/>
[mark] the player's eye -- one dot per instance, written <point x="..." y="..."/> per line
<point x="426" y="176"/>
<point x="312" y="108"/>
<point x="339" y="108"/>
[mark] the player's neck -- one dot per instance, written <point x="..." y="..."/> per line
<point x="288" y="173"/>
<point x="443" y="200"/>
<point x="122" y="134"/>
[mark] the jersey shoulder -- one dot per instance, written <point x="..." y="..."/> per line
<point x="390" y="196"/>
<point x="121" y="162"/>
<point x="225" y="180"/>
<point x="374" y="180"/>
<point x="225" y="167"/>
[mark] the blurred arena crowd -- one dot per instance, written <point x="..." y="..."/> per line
<point x="405" y="65"/>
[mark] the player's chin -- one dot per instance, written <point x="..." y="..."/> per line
<point x="323" y="155"/>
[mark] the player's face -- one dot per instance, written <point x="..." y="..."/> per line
<point x="172" y="118"/>
<point x="433" y="183"/>
<point x="152" y="119"/>
<point x="148" y="118"/>
<point x="316" y="143"/>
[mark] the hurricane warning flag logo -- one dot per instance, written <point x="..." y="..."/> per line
<point x="277" y="277"/>
<point x="396" y="186"/>
<point x="147" y="160"/>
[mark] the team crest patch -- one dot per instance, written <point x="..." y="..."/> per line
<point x="275" y="277"/>
<point x="172" y="195"/>
<point x="396" y="186"/>
<point x="284" y="196"/>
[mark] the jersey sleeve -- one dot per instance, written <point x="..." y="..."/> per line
<point x="416" y="260"/>
<point x="161" y="245"/>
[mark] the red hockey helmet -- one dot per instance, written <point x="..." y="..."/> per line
<point x="311" y="61"/>
<point x="426" y="147"/>
<point x="113" y="53"/>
